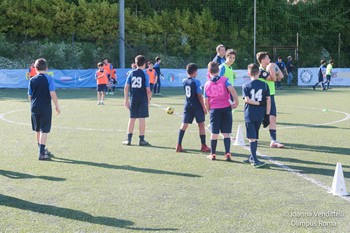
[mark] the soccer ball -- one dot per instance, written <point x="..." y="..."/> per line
<point x="169" y="110"/>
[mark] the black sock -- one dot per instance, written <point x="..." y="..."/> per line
<point x="253" y="147"/>
<point x="142" y="137"/>
<point x="42" y="149"/>
<point x="227" y="143"/>
<point x="202" y="139"/>
<point x="273" y="135"/>
<point x="213" y="144"/>
<point x="129" y="137"/>
<point x="181" y="136"/>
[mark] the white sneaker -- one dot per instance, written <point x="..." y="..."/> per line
<point x="276" y="144"/>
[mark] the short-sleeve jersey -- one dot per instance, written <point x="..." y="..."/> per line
<point x="263" y="76"/>
<point x="103" y="79"/>
<point x="39" y="89"/>
<point x="217" y="93"/>
<point x="256" y="90"/>
<point x="289" y="66"/>
<point x="108" y="68"/>
<point x="138" y="81"/>
<point x="156" y="67"/>
<point x="227" y="72"/>
<point x="152" y="75"/>
<point x="329" y="69"/>
<point x="219" y="60"/>
<point x="192" y="88"/>
<point x="321" y="71"/>
<point x="281" y="65"/>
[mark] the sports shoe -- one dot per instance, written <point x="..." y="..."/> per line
<point x="143" y="143"/>
<point x="205" y="148"/>
<point x="44" y="157"/>
<point x="98" y="103"/>
<point x="112" y="93"/>
<point x="212" y="156"/>
<point x="102" y="103"/>
<point x="48" y="153"/>
<point x="313" y="87"/>
<point x="258" y="164"/>
<point x="179" y="148"/>
<point x="126" y="142"/>
<point x="275" y="144"/>
<point x="249" y="160"/>
<point x="228" y="157"/>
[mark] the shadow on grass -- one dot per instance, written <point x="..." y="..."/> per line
<point x="18" y="175"/>
<point x="123" y="167"/>
<point x="71" y="214"/>
<point x="309" y="125"/>
<point x="323" y="149"/>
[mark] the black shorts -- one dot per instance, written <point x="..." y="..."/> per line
<point x="273" y="111"/>
<point x="101" y="87"/>
<point x="139" y="110"/>
<point x="190" y="114"/>
<point x="253" y="129"/>
<point x="221" y="120"/>
<point x="41" y="122"/>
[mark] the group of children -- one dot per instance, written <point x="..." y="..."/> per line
<point x="106" y="78"/>
<point x="218" y="99"/>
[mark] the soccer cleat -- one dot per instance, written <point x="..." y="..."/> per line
<point x="313" y="87"/>
<point x="205" y="148"/>
<point x="126" y="142"/>
<point x="143" y="143"/>
<point x="228" y="157"/>
<point x="112" y="93"/>
<point x="102" y="103"/>
<point x="179" y="148"/>
<point x="48" y="153"/>
<point x="212" y="156"/>
<point x="44" y="157"/>
<point x="258" y="164"/>
<point x="275" y="144"/>
<point x="98" y="103"/>
<point x="249" y="160"/>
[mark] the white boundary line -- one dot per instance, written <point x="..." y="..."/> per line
<point x="285" y="167"/>
<point x="279" y="164"/>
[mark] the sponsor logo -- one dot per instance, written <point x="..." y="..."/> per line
<point x="66" y="78"/>
<point x="305" y="76"/>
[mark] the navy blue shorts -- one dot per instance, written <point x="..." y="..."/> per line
<point x="41" y="122"/>
<point x="253" y="129"/>
<point x="190" y="114"/>
<point x="101" y="87"/>
<point x="273" y="111"/>
<point x="320" y="78"/>
<point x="139" y="110"/>
<point x="221" y="120"/>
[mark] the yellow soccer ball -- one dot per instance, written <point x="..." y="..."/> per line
<point x="169" y="110"/>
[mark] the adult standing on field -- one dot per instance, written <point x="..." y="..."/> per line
<point x="220" y="54"/>
<point x="41" y="90"/>
<point x="290" y="68"/>
<point x="159" y="75"/>
<point x="329" y="73"/>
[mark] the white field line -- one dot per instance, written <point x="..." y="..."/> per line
<point x="293" y="171"/>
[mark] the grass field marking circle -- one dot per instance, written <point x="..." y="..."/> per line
<point x="347" y="117"/>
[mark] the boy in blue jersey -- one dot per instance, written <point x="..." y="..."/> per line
<point x="194" y="107"/>
<point x="156" y="67"/>
<point x="282" y="66"/>
<point x="268" y="75"/>
<point x="321" y="74"/>
<point x="257" y="107"/>
<point x="41" y="90"/>
<point x="220" y="54"/>
<point x="140" y="94"/>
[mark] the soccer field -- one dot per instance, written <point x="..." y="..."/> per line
<point x="96" y="184"/>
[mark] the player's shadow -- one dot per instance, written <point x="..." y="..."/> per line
<point x="308" y="125"/>
<point x="319" y="148"/>
<point x="19" y="175"/>
<point x="293" y="160"/>
<point x="72" y="214"/>
<point x="124" y="167"/>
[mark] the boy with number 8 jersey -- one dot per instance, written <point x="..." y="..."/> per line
<point x="138" y="84"/>
<point x="218" y="102"/>
<point x="194" y="107"/>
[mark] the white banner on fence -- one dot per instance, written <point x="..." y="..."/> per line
<point x="309" y="76"/>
